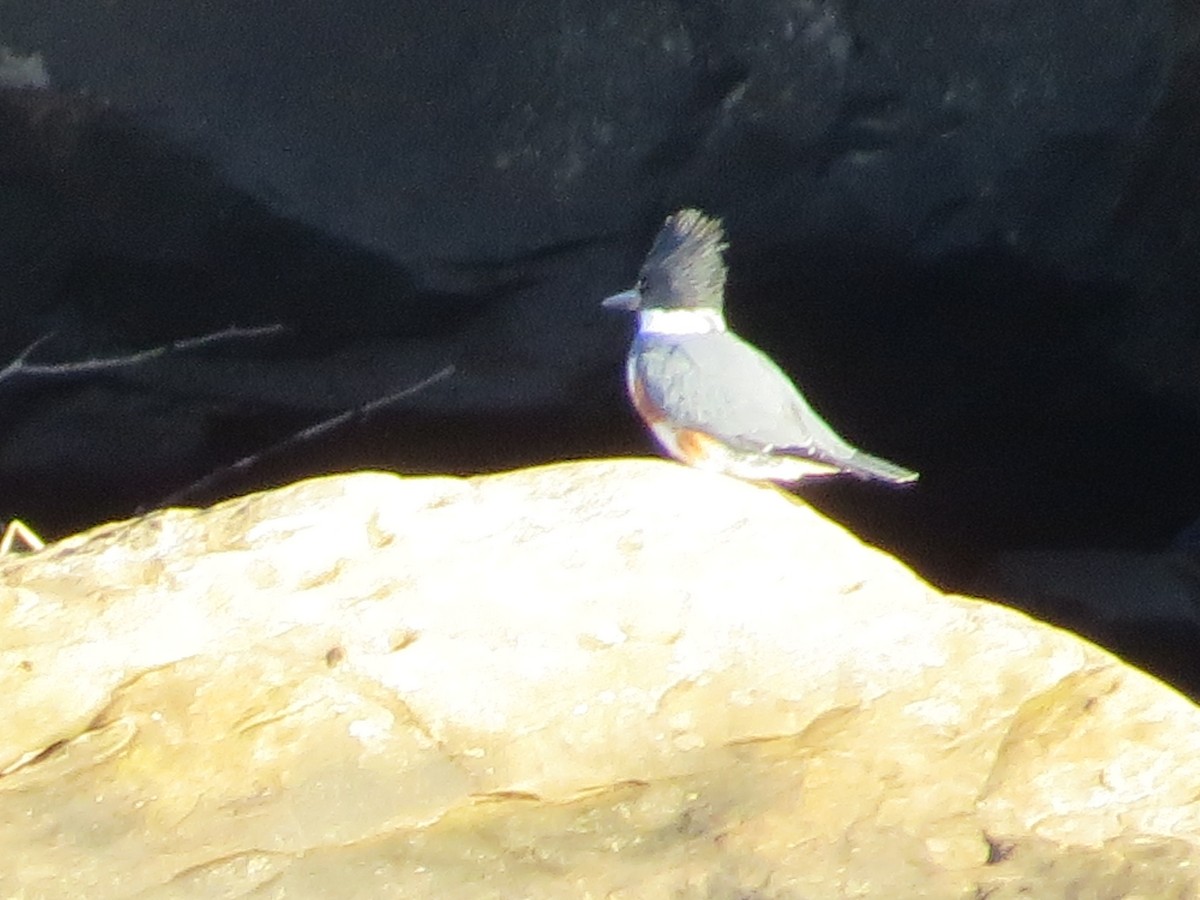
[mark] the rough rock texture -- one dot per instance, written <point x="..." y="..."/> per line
<point x="1146" y="606"/>
<point x="607" y="679"/>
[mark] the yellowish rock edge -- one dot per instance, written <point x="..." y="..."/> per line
<point x="604" y="679"/>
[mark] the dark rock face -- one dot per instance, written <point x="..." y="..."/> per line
<point x="427" y="136"/>
<point x="966" y="228"/>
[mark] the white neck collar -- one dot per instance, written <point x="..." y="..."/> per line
<point x="687" y="320"/>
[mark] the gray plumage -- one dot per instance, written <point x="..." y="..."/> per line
<point x="677" y="374"/>
<point x="694" y="375"/>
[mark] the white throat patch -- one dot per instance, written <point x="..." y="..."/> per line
<point x="694" y="320"/>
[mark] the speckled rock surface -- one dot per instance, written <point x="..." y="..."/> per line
<point x="620" y="679"/>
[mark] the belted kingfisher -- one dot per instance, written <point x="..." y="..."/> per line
<point x="712" y="400"/>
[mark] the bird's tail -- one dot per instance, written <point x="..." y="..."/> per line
<point x="872" y="467"/>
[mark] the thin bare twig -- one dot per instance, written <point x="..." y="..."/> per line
<point x="306" y="434"/>
<point x="19" y="365"/>
<point x="17" y="532"/>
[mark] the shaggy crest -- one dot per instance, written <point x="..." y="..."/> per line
<point x="684" y="267"/>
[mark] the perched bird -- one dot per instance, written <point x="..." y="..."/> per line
<point x="712" y="400"/>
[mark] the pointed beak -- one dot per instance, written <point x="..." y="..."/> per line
<point x="628" y="300"/>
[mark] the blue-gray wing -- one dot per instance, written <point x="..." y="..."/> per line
<point x="719" y="384"/>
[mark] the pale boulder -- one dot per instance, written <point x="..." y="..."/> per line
<point x="608" y="679"/>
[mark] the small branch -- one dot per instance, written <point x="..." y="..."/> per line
<point x="307" y="434"/>
<point x="17" y="532"/>
<point x="19" y="365"/>
<point x="233" y="332"/>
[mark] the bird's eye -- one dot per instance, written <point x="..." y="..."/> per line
<point x="642" y="284"/>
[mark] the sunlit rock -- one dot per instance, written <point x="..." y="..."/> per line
<point x="609" y="679"/>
